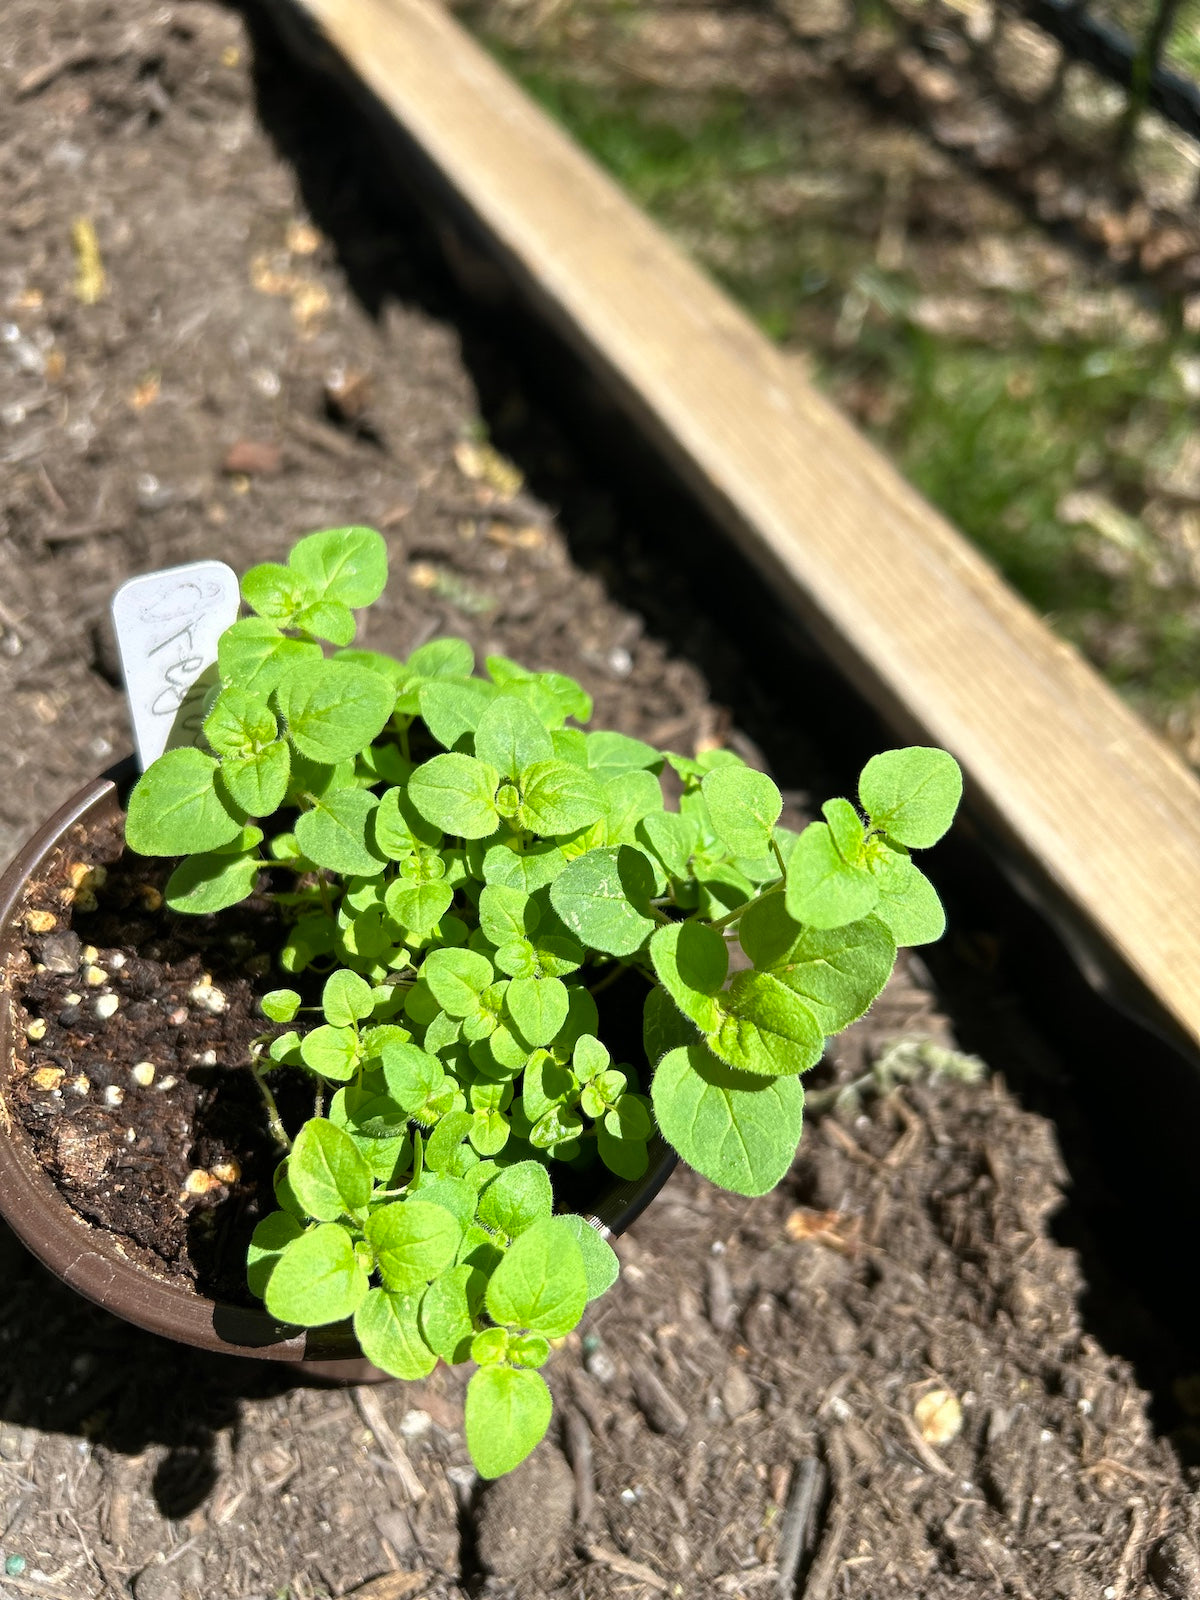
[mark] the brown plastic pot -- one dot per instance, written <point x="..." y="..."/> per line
<point x="91" y="1260"/>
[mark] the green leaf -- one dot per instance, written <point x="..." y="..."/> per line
<point x="317" y="1279"/>
<point x="603" y="897"/>
<point x="765" y="1028"/>
<point x="275" y="592"/>
<point x="443" y="658"/>
<point x="845" y="825"/>
<point x="628" y="1158"/>
<point x="386" y="1325"/>
<point x="281" y="1005"/>
<point x="908" y="906"/>
<point x="413" y="1242"/>
<point x="599" y="1258"/>
<point x="552" y="695"/>
<point x="558" y="798"/>
<point x="258" y="783"/>
<point x="506" y="914"/>
<point x="628" y="798"/>
<point x="346" y="999"/>
<point x="419" y="907"/>
<point x="267" y="1244"/>
<point x="744" y="806"/>
<point x="911" y="794"/>
<point x="507" y="1414"/>
<point x="526" y="870"/>
<point x="609" y="754"/>
<point x="739" y="1131"/>
<point x="664" y="1027"/>
<point x="240" y="723"/>
<point x="451" y="707"/>
<point x="457" y="793"/>
<point x="331" y="1053"/>
<point x="327" y="1174"/>
<point x="541" y="1283"/>
<point x="337" y="833"/>
<point x="510" y="737"/>
<point x="448" y="1311"/>
<point x="345" y="564"/>
<point x="538" y="1006"/>
<point x="333" y="709"/>
<point x="207" y="883"/>
<point x="413" y="1076"/>
<point x="326" y="619"/>
<point x="673" y="838"/>
<point x="175" y="808"/>
<point x="399" y="827"/>
<point x="837" y="972"/>
<point x="456" y="978"/>
<point x="822" y="888"/>
<point x="691" y="962"/>
<point x="516" y="1199"/>
<point x="254" y="654"/>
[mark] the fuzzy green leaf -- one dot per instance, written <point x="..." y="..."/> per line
<point x="603" y="897"/>
<point x="413" y="1242"/>
<point x="448" y="1311"/>
<point x="457" y="793"/>
<point x="258" y="783"/>
<point x="507" y="1414"/>
<point x="337" y="833"/>
<point x="609" y="754"/>
<point x="275" y="592"/>
<point x="744" y="806"/>
<point x="739" y="1131"/>
<point x="451" y="707"/>
<point x="386" y="1325"/>
<point x="254" y="655"/>
<point x="822" y="888"/>
<point x="510" y="738"/>
<point x="317" y="1279"/>
<point x="516" y="1199"/>
<point x="600" y="1262"/>
<point x="331" y="1053"/>
<point x="344" y="564"/>
<point x="281" y="1005"/>
<point x="456" y="979"/>
<point x="908" y="906"/>
<point x="346" y="999"/>
<point x="541" y="1284"/>
<point x="207" y="883"/>
<point x="911" y="794"/>
<point x="765" y="1028"/>
<point x="176" y="808"/>
<point x="240" y="723"/>
<point x="691" y="962"/>
<point x="558" y="798"/>
<point x="333" y="709"/>
<point x="327" y="1174"/>
<point x="267" y="1244"/>
<point x="538" y="1006"/>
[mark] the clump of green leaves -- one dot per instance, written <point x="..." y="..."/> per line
<point x="464" y="871"/>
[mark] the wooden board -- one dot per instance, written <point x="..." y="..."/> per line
<point x="920" y="621"/>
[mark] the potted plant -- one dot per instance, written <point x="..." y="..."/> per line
<point x="483" y="915"/>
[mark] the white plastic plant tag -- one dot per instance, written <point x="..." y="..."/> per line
<point x="167" y="626"/>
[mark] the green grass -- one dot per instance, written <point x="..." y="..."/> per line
<point x="995" y="429"/>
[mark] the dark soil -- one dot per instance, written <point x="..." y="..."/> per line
<point x="760" y="1381"/>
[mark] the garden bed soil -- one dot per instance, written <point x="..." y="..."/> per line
<point x="270" y="352"/>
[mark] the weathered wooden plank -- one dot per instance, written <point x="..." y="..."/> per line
<point x="916" y="617"/>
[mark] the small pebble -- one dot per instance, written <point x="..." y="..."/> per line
<point x="601" y="1365"/>
<point x="116" y="960"/>
<point x="415" y="1424"/>
<point x="89" y="953"/>
<point x="208" y="1059"/>
<point x="207" y="998"/>
<point x="48" y="1078"/>
<point x="200" y="1182"/>
<point x="40" y="921"/>
<point x="84" y="900"/>
<point x="150" y="897"/>
<point x="177" y="1017"/>
<point x="130" y="1135"/>
<point x="14" y="1566"/>
<point x="72" y="999"/>
<point x="36" y="1029"/>
<point x="226" y="1171"/>
<point x="114" y="1095"/>
<point x="107" y="1006"/>
<point x="94" y="977"/>
<point x="143" y="1073"/>
<point x="83" y="876"/>
<point x="167" y="1083"/>
<point x="81" y="1085"/>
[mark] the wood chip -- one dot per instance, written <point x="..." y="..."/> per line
<point x="658" y="1405"/>
<point x="389" y="1586"/>
<point x="371" y="1407"/>
<point x="616" y="1562"/>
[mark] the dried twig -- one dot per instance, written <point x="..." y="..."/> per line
<point x="722" y="1311"/>
<point x="39" y="78"/>
<point x="372" y="1414"/>
<point x="622" y="1564"/>
<point x="799" y="1524"/>
<point x="579" y="1450"/>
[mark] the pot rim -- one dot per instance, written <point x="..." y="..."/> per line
<point x="89" y="1259"/>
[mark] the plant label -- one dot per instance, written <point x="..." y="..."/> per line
<point x="167" y="625"/>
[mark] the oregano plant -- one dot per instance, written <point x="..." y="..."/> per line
<point x="465" y="873"/>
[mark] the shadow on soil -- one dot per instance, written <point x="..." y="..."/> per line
<point x="1126" y="1105"/>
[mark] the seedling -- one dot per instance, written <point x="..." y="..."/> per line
<point x="465" y="872"/>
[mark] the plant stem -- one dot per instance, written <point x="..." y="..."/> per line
<point x="719" y="923"/>
<point x="617" y="971"/>
<point x="274" y="1121"/>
